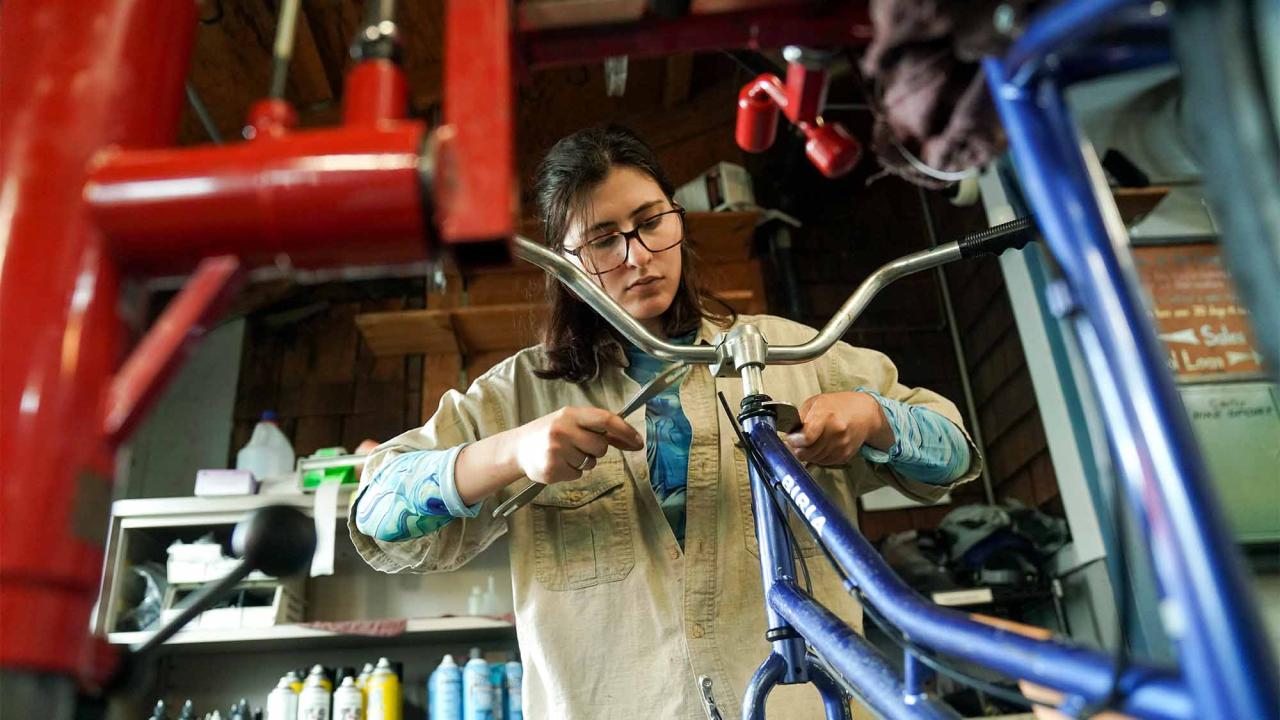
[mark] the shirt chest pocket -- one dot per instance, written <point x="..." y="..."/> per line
<point x="582" y="529"/>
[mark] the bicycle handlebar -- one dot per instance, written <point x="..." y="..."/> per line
<point x="581" y="284"/>
<point x="995" y="240"/>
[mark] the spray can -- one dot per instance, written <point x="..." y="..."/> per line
<point x="514" y="708"/>
<point x="477" y="691"/>
<point x="498" y="686"/>
<point x="444" y="691"/>
<point x="295" y="680"/>
<point x="313" y="702"/>
<point x="362" y="682"/>
<point x="282" y="703"/>
<point x="384" y="692"/>
<point x="347" y="701"/>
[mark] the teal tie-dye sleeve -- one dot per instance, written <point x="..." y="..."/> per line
<point x="412" y="495"/>
<point x="927" y="447"/>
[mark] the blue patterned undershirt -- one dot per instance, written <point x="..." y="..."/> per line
<point x="668" y="436"/>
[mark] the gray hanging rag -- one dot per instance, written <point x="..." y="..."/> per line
<point x="930" y="95"/>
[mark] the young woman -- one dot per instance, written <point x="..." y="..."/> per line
<point x="636" y="570"/>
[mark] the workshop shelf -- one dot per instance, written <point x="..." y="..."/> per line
<point x="324" y="635"/>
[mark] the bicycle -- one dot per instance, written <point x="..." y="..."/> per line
<point x="1228" y="672"/>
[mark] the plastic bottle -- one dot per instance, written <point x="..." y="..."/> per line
<point x="159" y="713"/>
<point x="313" y="703"/>
<point x="489" y="604"/>
<point x="444" y="691"/>
<point x="475" y="601"/>
<point x="282" y="703"/>
<point x="347" y="703"/>
<point x="268" y="454"/>
<point x="477" y="691"/>
<point x="513" y="708"/>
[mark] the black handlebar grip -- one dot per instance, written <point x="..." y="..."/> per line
<point x="1011" y="235"/>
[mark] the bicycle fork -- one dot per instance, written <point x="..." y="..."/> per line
<point x="788" y="663"/>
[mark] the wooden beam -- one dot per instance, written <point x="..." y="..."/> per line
<point x="1135" y="203"/>
<point x="510" y="327"/>
<point x="453" y="330"/>
<point x="470" y="330"/>
<point x="408" y="332"/>
<point x="520" y="284"/>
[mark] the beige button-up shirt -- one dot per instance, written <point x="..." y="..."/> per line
<point x="614" y="619"/>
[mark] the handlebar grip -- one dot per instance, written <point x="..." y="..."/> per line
<point x="1011" y="235"/>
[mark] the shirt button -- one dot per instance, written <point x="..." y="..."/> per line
<point x="697" y="630"/>
<point x="675" y="554"/>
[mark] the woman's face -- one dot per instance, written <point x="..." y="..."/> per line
<point x="646" y="283"/>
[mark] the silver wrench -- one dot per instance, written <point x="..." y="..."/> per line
<point x="651" y="389"/>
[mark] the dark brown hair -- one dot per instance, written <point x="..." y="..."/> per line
<point x="576" y="339"/>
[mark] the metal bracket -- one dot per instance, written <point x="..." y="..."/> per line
<point x="786" y="416"/>
<point x="742" y="346"/>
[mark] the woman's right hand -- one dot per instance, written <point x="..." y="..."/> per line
<point x="563" y="445"/>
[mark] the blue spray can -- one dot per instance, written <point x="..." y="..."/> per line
<point x="512" y="708"/>
<point x="498" y="684"/>
<point x="477" y="690"/>
<point x="444" y="691"/>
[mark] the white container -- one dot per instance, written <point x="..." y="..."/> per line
<point x="725" y="186"/>
<point x="348" y="701"/>
<point x="218" y="483"/>
<point x="268" y="454"/>
<point x="313" y="701"/>
<point x="282" y="703"/>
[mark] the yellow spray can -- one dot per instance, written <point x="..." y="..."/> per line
<point x="384" y="693"/>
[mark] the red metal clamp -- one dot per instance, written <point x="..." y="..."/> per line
<point x="828" y="145"/>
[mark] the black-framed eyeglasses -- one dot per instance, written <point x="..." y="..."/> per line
<point x="609" y="252"/>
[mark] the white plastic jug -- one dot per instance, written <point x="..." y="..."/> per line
<point x="268" y="454"/>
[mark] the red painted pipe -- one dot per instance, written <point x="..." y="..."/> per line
<point x="78" y="75"/>
<point x="806" y="93"/>
<point x="474" y="152"/>
<point x="140" y="381"/>
<point x="376" y="90"/>
<point x="271" y="117"/>
<point x="323" y="198"/>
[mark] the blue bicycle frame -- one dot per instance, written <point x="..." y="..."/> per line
<point x="1226" y="669"/>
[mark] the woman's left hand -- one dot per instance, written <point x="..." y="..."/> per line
<point x="834" y="426"/>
